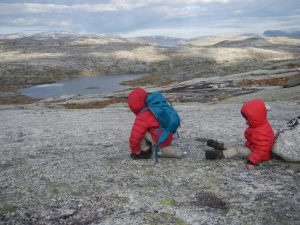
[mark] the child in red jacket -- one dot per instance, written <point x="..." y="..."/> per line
<point x="259" y="137"/>
<point x="145" y="130"/>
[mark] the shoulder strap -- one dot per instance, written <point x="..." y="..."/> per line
<point x="143" y="110"/>
<point x="157" y="146"/>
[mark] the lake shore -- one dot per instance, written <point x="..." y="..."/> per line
<point x="24" y="63"/>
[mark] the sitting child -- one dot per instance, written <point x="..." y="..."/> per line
<point x="145" y="130"/>
<point x="259" y="137"/>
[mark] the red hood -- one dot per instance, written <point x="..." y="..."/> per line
<point x="137" y="100"/>
<point x="256" y="112"/>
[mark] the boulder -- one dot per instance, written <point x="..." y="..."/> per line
<point x="287" y="145"/>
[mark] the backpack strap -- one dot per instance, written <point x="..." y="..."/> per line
<point x="158" y="135"/>
<point x="143" y="110"/>
<point x="157" y="146"/>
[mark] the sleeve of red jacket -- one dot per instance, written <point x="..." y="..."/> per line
<point x="247" y="135"/>
<point x="138" y="132"/>
<point x="260" y="147"/>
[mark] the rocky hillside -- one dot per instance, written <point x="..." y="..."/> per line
<point x="41" y="58"/>
<point x="162" y="40"/>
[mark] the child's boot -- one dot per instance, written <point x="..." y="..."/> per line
<point x="215" y="144"/>
<point x="212" y="155"/>
<point x="142" y="155"/>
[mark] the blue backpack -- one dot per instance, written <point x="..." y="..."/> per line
<point x="166" y="115"/>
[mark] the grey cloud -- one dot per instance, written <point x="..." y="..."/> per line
<point x="25" y="21"/>
<point x="59" y="8"/>
<point x="98" y="6"/>
<point x="125" y="16"/>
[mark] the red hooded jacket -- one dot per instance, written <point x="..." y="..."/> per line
<point x="259" y="135"/>
<point x="144" y="121"/>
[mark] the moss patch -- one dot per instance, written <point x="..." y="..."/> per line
<point x="80" y="190"/>
<point x="288" y="165"/>
<point x="223" y="97"/>
<point x="7" y="208"/>
<point x="163" y="218"/>
<point x="168" y="201"/>
<point x="149" y="171"/>
<point x="120" y="199"/>
<point x="56" y="187"/>
<point x="280" y="81"/>
<point x="18" y="99"/>
<point x="151" y="79"/>
<point x="94" y="105"/>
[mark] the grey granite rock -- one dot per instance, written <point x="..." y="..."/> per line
<point x="72" y="167"/>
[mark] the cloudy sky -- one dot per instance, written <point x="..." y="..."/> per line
<point x="178" y="18"/>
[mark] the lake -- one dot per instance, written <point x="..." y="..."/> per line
<point x="80" y="85"/>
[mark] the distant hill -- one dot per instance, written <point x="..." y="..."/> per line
<point x="161" y="40"/>
<point x="249" y="42"/>
<point x="52" y="35"/>
<point x="250" y="35"/>
<point x="280" y="33"/>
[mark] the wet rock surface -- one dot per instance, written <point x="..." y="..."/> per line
<point x="62" y="166"/>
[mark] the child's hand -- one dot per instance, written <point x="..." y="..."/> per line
<point x="250" y="165"/>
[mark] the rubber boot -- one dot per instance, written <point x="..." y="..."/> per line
<point x="213" y="155"/>
<point x="215" y="144"/>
